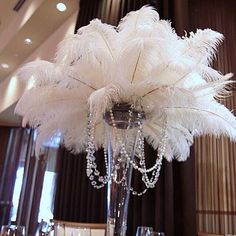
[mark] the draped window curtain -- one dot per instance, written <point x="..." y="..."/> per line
<point x="170" y="207"/>
<point x="17" y="149"/>
<point x="11" y="147"/>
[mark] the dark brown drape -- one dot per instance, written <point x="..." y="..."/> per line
<point x="28" y="209"/>
<point x="110" y="11"/>
<point x="17" y="149"/>
<point x="10" y="150"/>
<point x="76" y="199"/>
<point x="170" y="207"/>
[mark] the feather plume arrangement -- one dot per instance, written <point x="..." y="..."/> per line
<point x="141" y="60"/>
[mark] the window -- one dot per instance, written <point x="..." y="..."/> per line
<point x="17" y="191"/>
<point x="47" y="197"/>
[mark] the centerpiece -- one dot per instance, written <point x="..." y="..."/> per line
<point x="114" y="87"/>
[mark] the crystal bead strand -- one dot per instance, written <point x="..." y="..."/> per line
<point x="91" y="165"/>
<point x="123" y="152"/>
<point x="124" y="156"/>
<point x="156" y="168"/>
<point x="150" y="183"/>
<point x="156" y="172"/>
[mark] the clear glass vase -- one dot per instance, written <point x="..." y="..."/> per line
<point x="119" y="168"/>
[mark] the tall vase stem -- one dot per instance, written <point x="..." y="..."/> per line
<point x="121" y="145"/>
<point x="118" y="188"/>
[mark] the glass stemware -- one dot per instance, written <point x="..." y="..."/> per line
<point x="5" y="230"/>
<point x="158" y="234"/>
<point x="13" y="230"/>
<point x="144" y="231"/>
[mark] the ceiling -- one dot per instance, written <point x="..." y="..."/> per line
<point x="37" y="20"/>
<point x="6" y="12"/>
<point x="45" y="20"/>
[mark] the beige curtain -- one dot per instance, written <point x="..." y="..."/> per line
<point x="216" y="158"/>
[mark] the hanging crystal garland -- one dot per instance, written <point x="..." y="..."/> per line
<point x="138" y="163"/>
<point x="92" y="172"/>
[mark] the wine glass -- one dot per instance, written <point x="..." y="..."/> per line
<point x="6" y="230"/>
<point x="50" y="229"/>
<point x="43" y="228"/>
<point x="19" y="230"/>
<point x="144" y="231"/>
<point x="13" y="230"/>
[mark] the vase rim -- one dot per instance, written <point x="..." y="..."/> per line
<point x="125" y="115"/>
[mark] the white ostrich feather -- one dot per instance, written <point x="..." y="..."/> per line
<point x="142" y="61"/>
<point x="43" y="72"/>
<point x="218" y="88"/>
<point x="163" y="30"/>
<point x="92" y="44"/>
<point x="202" y="45"/>
<point x="103" y="98"/>
<point x="209" y="117"/>
<point x="138" y="22"/>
